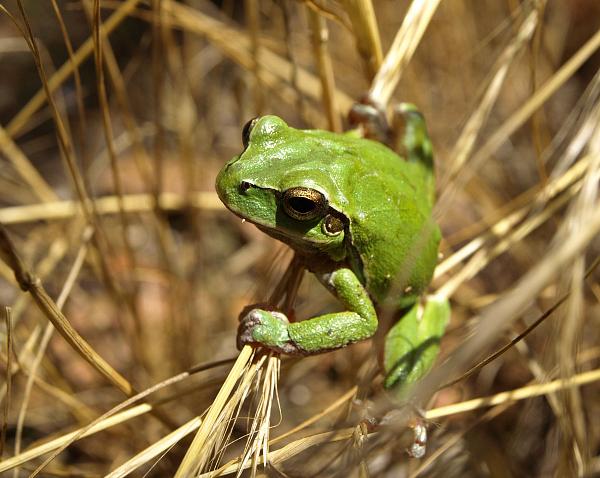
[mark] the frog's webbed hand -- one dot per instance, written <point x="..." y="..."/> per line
<point x="326" y="332"/>
<point x="412" y="344"/>
<point x="267" y="328"/>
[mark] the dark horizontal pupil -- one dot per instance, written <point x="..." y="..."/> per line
<point x="301" y="204"/>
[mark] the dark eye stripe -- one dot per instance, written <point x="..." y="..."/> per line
<point x="247" y="130"/>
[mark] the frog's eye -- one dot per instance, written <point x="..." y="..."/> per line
<point x="333" y="225"/>
<point x="247" y="130"/>
<point x="304" y="204"/>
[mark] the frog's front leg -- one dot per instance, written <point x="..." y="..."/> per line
<point x="326" y="332"/>
<point x="412" y="344"/>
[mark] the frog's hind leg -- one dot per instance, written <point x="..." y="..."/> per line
<point x="412" y="344"/>
<point x="410" y="134"/>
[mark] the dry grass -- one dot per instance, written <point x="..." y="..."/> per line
<point x="115" y="118"/>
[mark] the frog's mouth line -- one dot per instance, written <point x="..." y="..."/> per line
<point x="281" y="226"/>
<point x="294" y="239"/>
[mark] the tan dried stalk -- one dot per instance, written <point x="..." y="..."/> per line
<point x="465" y="143"/>
<point x="298" y="446"/>
<point x="115" y="416"/>
<point x="157" y="448"/>
<point x="8" y="378"/>
<point x="63" y="440"/>
<point x="132" y="203"/>
<point x="503" y="226"/>
<point x="235" y="464"/>
<point x="276" y="72"/>
<point x="30" y="283"/>
<point x="320" y="37"/>
<point x="252" y="10"/>
<point x="517" y="119"/>
<point x="400" y="53"/>
<point x="523" y="393"/>
<point x="197" y="454"/>
<point x="504" y="241"/>
<point x="48" y="332"/>
<point x="366" y="33"/>
<point x="507" y="309"/>
<point x="257" y="444"/>
<point x="26" y="170"/>
<point x="66" y="70"/>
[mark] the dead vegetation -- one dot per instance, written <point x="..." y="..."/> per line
<point x="120" y="271"/>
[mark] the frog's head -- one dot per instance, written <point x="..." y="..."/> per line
<point x="278" y="183"/>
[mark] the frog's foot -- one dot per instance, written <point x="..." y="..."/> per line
<point x="266" y="328"/>
<point x="408" y="134"/>
<point x="418" y="447"/>
<point x="372" y="117"/>
<point x="412" y="344"/>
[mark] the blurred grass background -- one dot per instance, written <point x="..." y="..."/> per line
<point x="154" y="277"/>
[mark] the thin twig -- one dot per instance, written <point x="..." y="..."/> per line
<point x="366" y="33"/>
<point x="132" y="203"/>
<point x="30" y="283"/>
<point x="7" y="399"/>
<point x="320" y="37"/>
<point x="17" y="124"/>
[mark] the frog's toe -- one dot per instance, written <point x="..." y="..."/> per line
<point x="407" y="109"/>
<point x="268" y="329"/>
<point x="371" y="115"/>
<point x="418" y="447"/>
<point x="247" y="325"/>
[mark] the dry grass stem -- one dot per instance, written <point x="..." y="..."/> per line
<point x="131" y="203"/>
<point x="500" y="314"/>
<point x="25" y="169"/>
<point x="465" y="143"/>
<point x="157" y="449"/>
<point x="232" y="465"/>
<point x="114" y="412"/>
<point x="252" y="10"/>
<point x="292" y="449"/>
<point x="8" y="380"/>
<point x="48" y="332"/>
<point x="197" y="454"/>
<point x="68" y="438"/>
<point x="107" y="179"/>
<point x="257" y="445"/>
<point x="366" y="33"/>
<point x="514" y="395"/>
<point x="37" y="101"/>
<point x="24" y="355"/>
<point x="29" y="283"/>
<point x="485" y="255"/>
<point x="517" y="119"/>
<point x="504" y="225"/>
<point x="346" y="397"/>
<point x="320" y="37"/>
<point x="405" y="43"/>
<point x="274" y="68"/>
<point x="516" y="341"/>
<point x="504" y="398"/>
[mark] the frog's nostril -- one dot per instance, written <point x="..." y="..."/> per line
<point x="244" y="186"/>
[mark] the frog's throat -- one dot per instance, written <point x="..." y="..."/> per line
<point x="296" y="241"/>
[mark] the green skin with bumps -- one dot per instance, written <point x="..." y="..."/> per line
<point x="365" y="230"/>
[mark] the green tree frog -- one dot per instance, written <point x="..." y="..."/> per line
<point x="360" y="218"/>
